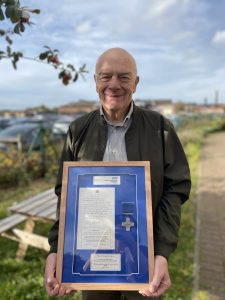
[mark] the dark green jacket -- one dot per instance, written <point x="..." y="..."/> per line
<point x="170" y="177"/>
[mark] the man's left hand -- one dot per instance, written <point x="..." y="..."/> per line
<point x="161" y="278"/>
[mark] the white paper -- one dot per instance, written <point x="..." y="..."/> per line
<point x="106" y="180"/>
<point x="96" y="218"/>
<point x="105" y="262"/>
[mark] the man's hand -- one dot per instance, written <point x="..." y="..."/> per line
<point x="161" y="278"/>
<point x="52" y="286"/>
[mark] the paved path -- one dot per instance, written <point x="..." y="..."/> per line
<point x="210" y="246"/>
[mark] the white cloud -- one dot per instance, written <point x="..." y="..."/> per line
<point x="158" y="8"/>
<point x="183" y="36"/>
<point x="47" y="20"/>
<point x="84" y="27"/>
<point x="219" y="38"/>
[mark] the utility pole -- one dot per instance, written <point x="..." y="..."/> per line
<point x="205" y="101"/>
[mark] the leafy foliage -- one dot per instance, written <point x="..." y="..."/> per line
<point x="19" y="168"/>
<point x="16" y="14"/>
<point x="67" y="72"/>
<point x="20" y="17"/>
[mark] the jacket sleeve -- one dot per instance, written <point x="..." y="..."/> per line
<point x="176" y="189"/>
<point x="67" y="155"/>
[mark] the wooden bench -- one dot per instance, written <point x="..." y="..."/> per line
<point x="41" y="207"/>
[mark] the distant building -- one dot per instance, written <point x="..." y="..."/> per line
<point x="210" y="109"/>
<point x="81" y="106"/>
<point x="163" y="106"/>
<point x="12" y="113"/>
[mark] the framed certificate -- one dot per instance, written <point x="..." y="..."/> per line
<point x="105" y="229"/>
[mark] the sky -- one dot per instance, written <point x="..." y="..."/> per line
<point x="179" y="47"/>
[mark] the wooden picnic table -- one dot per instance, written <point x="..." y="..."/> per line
<point x="41" y="207"/>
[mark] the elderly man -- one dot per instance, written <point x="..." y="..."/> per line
<point x="120" y="131"/>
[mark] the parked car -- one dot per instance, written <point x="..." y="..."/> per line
<point x="22" y="135"/>
<point x="64" y="121"/>
<point x="4" y="123"/>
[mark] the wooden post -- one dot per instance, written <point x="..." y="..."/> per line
<point x="22" y="248"/>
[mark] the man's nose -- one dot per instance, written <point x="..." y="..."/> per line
<point x="114" y="82"/>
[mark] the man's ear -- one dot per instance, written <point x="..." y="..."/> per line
<point x="95" y="79"/>
<point x="136" y="83"/>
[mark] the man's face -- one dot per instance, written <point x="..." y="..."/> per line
<point x="116" y="81"/>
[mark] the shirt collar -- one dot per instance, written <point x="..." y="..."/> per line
<point x="124" y="122"/>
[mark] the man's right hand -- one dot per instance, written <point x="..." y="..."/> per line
<point x="52" y="286"/>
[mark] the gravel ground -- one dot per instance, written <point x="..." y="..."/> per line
<point x="210" y="238"/>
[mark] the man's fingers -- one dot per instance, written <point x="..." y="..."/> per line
<point x="155" y="292"/>
<point x="161" y="279"/>
<point x="50" y="284"/>
<point x="162" y="288"/>
<point x="70" y="291"/>
<point x="154" y="287"/>
<point x="61" y="291"/>
<point x="54" y="290"/>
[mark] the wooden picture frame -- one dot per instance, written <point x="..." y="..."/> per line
<point x="105" y="230"/>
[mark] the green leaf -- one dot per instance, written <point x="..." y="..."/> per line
<point x="2" y="32"/>
<point x="16" y="56"/>
<point x="47" y="47"/>
<point x="11" y="2"/>
<point x="82" y="69"/>
<point x="61" y="74"/>
<point x="14" y="64"/>
<point x="9" y="11"/>
<point x="22" y="27"/>
<point x="18" y="13"/>
<point x="2" y="53"/>
<point x="14" y="19"/>
<point x="43" y="55"/>
<point x="17" y="28"/>
<point x="75" y="77"/>
<point x="8" y="40"/>
<point x="8" y="49"/>
<point x="71" y="67"/>
<point x="2" y="17"/>
<point x="36" y="11"/>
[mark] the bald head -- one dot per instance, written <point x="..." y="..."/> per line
<point x="116" y="80"/>
<point x="116" y="55"/>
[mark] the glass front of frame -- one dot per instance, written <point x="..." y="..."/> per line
<point x="105" y="231"/>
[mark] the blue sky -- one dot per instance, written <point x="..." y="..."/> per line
<point x="179" y="46"/>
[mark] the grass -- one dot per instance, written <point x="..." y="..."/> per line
<point x="181" y="262"/>
<point x="21" y="280"/>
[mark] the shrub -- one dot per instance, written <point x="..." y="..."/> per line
<point x="17" y="168"/>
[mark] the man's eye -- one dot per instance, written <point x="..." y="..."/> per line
<point x="104" y="78"/>
<point x="124" y="78"/>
